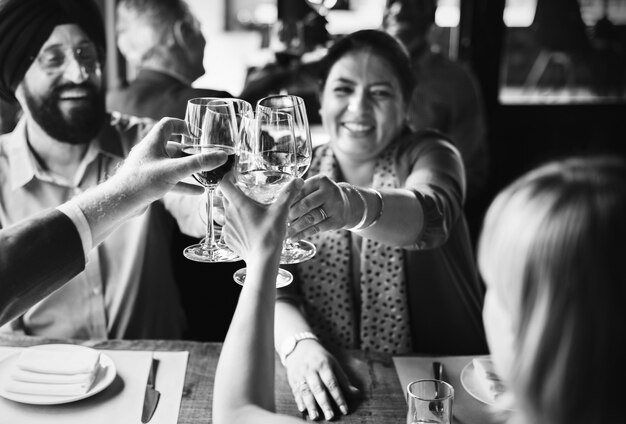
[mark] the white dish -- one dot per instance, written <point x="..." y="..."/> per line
<point x="471" y="384"/>
<point x="106" y="375"/>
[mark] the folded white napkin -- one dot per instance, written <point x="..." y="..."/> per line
<point x="48" y="378"/>
<point x="59" y="362"/>
<point x="487" y="377"/>
<point x="43" y="389"/>
<point x="54" y="373"/>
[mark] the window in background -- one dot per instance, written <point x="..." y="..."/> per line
<point x="564" y="51"/>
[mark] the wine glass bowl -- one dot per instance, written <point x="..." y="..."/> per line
<point x="212" y="127"/>
<point x="301" y="250"/>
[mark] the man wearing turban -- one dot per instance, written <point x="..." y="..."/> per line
<point x="51" y="56"/>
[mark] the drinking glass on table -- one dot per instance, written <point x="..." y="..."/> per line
<point x="265" y="164"/>
<point x="295" y="251"/>
<point x="429" y="401"/>
<point x="212" y="126"/>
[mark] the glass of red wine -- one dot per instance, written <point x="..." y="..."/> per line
<point x="212" y="124"/>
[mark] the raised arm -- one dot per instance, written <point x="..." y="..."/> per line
<point x="244" y="380"/>
<point x="419" y="213"/>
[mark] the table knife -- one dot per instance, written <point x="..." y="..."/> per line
<point x="151" y="398"/>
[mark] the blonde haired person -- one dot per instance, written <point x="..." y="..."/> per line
<point x="551" y="253"/>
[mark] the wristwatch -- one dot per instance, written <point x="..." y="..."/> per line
<point x="289" y="344"/>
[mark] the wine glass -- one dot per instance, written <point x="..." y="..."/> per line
<point x="213" y="127"/>
<point x="301" y="250"/>
<point x="265" y="164"/>
<point x="244" y="114"/>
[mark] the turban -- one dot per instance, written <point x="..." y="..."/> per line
<point x="25" y="25"/>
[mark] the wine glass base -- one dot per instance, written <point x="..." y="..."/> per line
<point x="284" y="277"/>
<point x="200" y="253"/>
<point x="297" y="251"/>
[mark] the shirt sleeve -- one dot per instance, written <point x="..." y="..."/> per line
<point x="433" y="169"/>
<point x="76" y="215"/>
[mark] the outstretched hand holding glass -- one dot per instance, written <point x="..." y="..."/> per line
<point x="301" y="250"/>
<point x="265" y="163"/>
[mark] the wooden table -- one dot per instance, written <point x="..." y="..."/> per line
<point x="382" y="400"/>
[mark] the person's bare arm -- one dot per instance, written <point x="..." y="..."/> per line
<point x="244" y="379"/>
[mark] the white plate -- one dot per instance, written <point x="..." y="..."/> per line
<point x="106" y="375"/>
<point x="471" y="384"/>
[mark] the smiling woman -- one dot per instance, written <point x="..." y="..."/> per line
<point x="383" y="205"/>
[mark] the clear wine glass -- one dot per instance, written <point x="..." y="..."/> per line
<point x="213" y="127"/>
<point x="265" y="164"/>
<point x="244" y="114"/>
<point x="295" y="251"/>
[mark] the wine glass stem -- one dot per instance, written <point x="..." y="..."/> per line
<point x="287" y="243"/>
<point x="210" y="229"/>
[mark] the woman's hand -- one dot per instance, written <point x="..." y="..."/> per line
<point x="252" y="227"/>
<point x="321" y="206"/>
<point x="316" y="379"/>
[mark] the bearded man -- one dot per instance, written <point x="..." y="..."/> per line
<point x="52" y="55"/>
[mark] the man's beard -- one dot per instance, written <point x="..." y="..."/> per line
<point x="79" y="125"/>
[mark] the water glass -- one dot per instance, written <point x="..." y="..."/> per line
<point x="429" y="401"/>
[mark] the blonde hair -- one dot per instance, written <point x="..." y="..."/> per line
<point x="553" y="247"/>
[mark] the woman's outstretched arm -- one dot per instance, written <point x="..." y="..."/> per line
<point x="244" y="380"/>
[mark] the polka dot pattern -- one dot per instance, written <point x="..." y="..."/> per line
<point x="327" y="281"/>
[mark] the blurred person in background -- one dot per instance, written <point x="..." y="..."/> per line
<point x="447" y="96"/>
<point x="163" y="40"/>
<point x="551" y="253"/>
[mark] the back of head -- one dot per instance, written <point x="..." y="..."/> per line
<point x="553" y="244"/>
<point x="379" y="43"/>
<point x="25" y="25"/>
<point x="409" y="21"/>
<point x="145" y="27"/>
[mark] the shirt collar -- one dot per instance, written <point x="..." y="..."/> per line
<point x="24" y="166"/>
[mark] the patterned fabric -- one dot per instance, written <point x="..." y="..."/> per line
<point x="383" y="322"/>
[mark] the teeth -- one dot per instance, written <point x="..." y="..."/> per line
<point x="73" y="94"/>
<point x="351" y="126"/>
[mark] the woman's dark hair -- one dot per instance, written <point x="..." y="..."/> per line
<point x="381" y="44"/>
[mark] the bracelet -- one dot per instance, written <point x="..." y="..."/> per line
<point x="365" y="208"/>
<point x="380" y="212"/>
<point x="350" y="187"/>
<point x="359" y="226"/>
